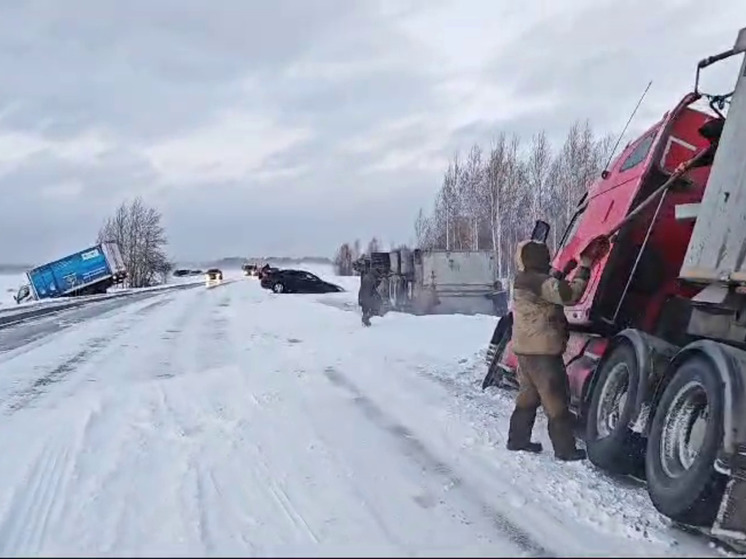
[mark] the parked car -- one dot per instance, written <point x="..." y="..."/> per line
<point x="297" y="281"/>
<point x="181" y="272"/>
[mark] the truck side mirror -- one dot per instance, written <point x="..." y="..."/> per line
<point x="540" y="232"/>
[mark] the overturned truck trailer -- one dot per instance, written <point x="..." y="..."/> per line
<point x="437" y="281"/>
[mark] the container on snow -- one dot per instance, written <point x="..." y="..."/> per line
<point x="85" y="272"/>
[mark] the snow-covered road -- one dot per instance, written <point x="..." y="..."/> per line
<point x="232" y="421"/>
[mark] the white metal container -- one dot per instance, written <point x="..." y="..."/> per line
<point x="462" y="280"/>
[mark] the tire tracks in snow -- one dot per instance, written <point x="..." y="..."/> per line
<point x="34" y="333"/>
<point x="413" y="448"/>
<point x="171" y="358"/>
<point x="21" y="398"/>
<point x="37" y="504"/>
<point x="195" y="340"/>
<point x="213" y="343"/>
<point x="206" y="508"/>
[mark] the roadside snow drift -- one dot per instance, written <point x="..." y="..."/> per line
<point x="233" y="421"/>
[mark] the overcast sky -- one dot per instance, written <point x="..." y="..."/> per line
<point x="287" y="126"/>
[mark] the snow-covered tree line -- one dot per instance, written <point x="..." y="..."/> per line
<point x="490" y="198"/>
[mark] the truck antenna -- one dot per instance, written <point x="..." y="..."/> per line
<point x="605" y="172"/>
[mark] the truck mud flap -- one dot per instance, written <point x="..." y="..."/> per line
<point x="493" y="377"/>
<point x="730" y="523"/>
<point x="500" y="338"/>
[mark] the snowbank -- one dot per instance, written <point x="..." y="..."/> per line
<point x="9" y="284"/>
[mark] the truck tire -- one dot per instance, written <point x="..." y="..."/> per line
<point x="278" y="287"/>
<point x="682" y="481"/>
<point x="611" y="444"/>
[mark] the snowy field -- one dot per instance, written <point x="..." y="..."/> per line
<point x="9" y="284"/>
<point x="233" y="421"/>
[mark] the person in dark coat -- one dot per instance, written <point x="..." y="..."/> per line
<point x="540" y="335"/>
<point x="499" y="298"/>
<point x="368" y="297"/>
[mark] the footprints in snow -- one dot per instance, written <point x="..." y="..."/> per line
<point x="36" y="507"/>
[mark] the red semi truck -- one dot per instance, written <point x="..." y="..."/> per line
<point x="656" y="358"/>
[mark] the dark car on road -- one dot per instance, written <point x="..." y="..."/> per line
<point x="297" y="281"/>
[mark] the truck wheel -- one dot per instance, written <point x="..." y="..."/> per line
<point x="278" y="287"/>
<point x="499" y="341"/>
<point x="610" y="443"/>
<point x="684" y="440"/>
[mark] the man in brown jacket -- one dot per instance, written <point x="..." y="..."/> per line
<point x="540" y="334"/>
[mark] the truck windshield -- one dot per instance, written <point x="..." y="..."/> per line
<point x="572" y="227"/>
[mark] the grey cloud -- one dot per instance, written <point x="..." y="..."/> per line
<point x="36" y="223"/>
<point x="358" y="101"/>
<point x="110" y="176"/>
<point x="598" y="64"/>
<point x="146" y="68"/>
<point x="145" y="71"/>
<point x="227" y="219"/>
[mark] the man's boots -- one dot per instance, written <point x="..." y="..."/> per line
<point x="563" y="439"/>
<point x="519" y="435"/>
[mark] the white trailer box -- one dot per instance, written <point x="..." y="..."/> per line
<point x="462" y="280"/>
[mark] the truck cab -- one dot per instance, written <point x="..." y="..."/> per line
<point x="636" y="284"/>
<point x="642" y="267"/>
<point x="656" y="359"/>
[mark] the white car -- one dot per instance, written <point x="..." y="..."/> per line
<point x="213" y="276"/>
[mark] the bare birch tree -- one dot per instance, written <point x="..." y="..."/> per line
<point x="494" y="186"/>
<point x="374" y="246"/>
<point x="142" y="240"/>
<point x="538" y="173"/>
<point x="422" y="229"/>
<point x="343" y="260"/>
<point x="470" y="192"/>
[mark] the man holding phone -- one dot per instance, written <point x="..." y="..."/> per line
<point x="540" y="335"/>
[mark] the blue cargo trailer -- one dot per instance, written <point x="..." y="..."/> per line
<point x="86" y="272"/>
